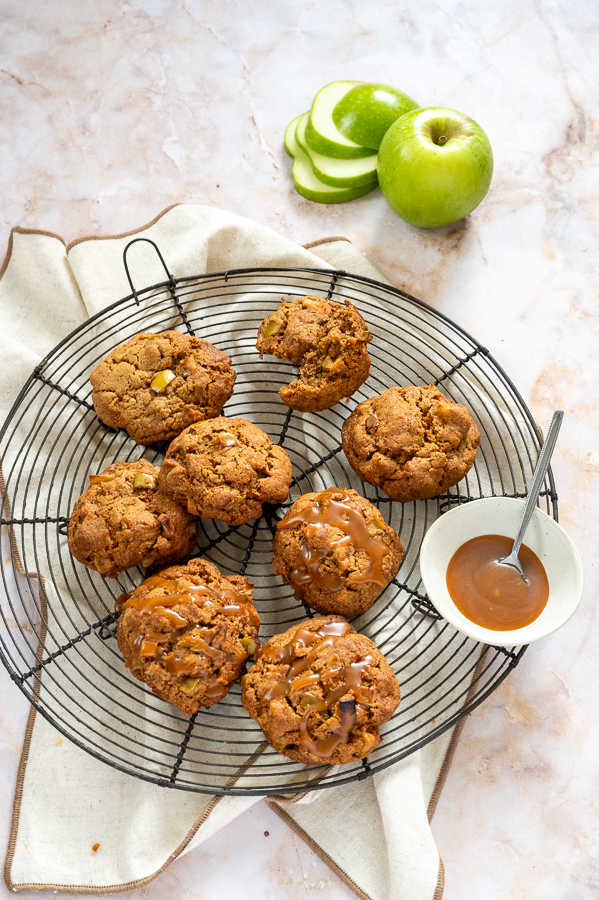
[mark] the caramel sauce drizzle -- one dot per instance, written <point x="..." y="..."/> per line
<point x="158" y="646"/>
<point x="351" y="676"/>
<point x="331" y="509"/>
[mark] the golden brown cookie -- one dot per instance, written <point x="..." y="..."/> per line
<point x="226" y="469"/>
<point x="123" y="520"/>
<point x="156" y="385"/>
<point x="320" y="691"/>
<point x="328" y="341"/>
<point x="187" y="633"/>
<point x="335" y="550"/>
<point x="413" y="442"/>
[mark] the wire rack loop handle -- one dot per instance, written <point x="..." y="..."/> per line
<point x="155" y="246"/>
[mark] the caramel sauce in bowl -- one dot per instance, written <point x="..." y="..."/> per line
<point x="498" y="517"/>
<point x="491" y="593"/>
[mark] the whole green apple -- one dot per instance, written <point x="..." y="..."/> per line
<point x="434" y="166"/>
<point x="367" y="111"/>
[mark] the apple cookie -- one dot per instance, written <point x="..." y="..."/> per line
<point x="226" y="469"/>
<point x="187" y="633"/>
<point x="336" y="552"/>
<point x="125" y="520"/>
<point x="156" y="385"/>
<point x="327" y="340"/>
<point x="413" y="442"/>
<point x="320" y="691"/>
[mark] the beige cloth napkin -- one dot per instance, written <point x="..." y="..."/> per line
<point x="66" y="800"/>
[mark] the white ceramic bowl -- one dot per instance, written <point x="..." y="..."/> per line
<point x="501" y="515"/>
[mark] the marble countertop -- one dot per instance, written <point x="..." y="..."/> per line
<point x="114" y="110"/>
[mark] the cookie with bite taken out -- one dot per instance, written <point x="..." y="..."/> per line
<point x="327" y="340"/>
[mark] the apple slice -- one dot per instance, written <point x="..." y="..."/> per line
<point x="322" y="135"/>
<point x="337" y="172"/>
<point x="367" y="111"/>
<point x="306" y="182"/>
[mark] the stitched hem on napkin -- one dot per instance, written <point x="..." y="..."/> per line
<point x="19" y="230"/>
<point x="316" y="848"/>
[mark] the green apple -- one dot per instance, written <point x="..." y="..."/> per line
<point x="435" y="166"/>
<point x="306" y="182"/>
<point x="322" y="134"/>
<point x="337" y="172"/>
<point x="367" y="111"/>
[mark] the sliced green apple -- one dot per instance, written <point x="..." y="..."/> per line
<point x="322" y="135"/>
<point x="289" y="140"/>
<point x="337" y="172"/>
<point x="306" y="182"/>
<point x="366" y="112"/>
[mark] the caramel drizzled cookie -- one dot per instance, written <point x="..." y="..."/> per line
<point x="413" y="442"/>
<point x="320" y="691"/>
<point x="226" y="469"/>
<point x="187" y="633"/>
<point x="327" y="340"/>
<point x="125" y="520"/>
<point x="156" y="385"/>
<point x="336" y="551"/>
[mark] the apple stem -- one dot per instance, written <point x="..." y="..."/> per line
<point x="442" y="140"/>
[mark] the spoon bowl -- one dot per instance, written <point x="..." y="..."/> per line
<point x="501" y="515"/>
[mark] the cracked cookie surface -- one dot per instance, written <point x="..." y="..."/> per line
<point x="413" y="442"/>
<point x="187" y="633"/>
<point x="320" y="691"/>
<point x="156" y="385"/>
<point x="336" y="551"/>
<point x="125" y="520"/>
<point x="226" y="469"/>
<point x="328" y="341"/>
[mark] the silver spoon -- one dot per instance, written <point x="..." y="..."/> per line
<point x="533" y="493"/>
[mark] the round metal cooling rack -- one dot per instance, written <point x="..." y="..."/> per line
<point x="57" y="633"/>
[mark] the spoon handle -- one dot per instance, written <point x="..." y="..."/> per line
<point x="537" y="478"/>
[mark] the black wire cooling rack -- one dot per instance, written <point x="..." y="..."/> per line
<point x="57" y="631"/>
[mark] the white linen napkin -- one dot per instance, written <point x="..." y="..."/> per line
<point x="66" y="800"/>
